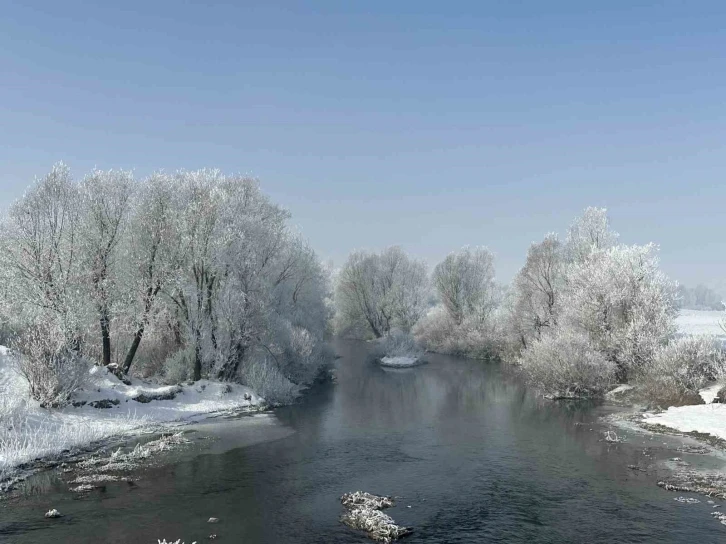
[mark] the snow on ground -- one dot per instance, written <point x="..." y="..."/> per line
<point x="709" y="393"/>
<point x="702" y="418"/>
<point x="701" y="322"/>
<point x="400" y="362"/>
<point x="28" y="432"/>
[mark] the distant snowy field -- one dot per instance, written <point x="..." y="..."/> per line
<point x="701" y="322"/>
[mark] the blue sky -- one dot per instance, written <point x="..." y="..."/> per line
<point x="426" y="124"/>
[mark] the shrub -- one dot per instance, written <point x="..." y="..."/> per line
<point x="474" y="338"/>
<point x="564" y="364"/>
<point x="53" y="370"/>
<point x="177" y="368"/>
<point x="263" y="376"/>
<point x="398" y="344"/>
<point x="679" y="369"/>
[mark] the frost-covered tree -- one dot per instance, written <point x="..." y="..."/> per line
<point x="201" y="266"/>
<point x="376" y="292"/>
<point x="622" y="302"/>
<point x="464" y="282"/>
<point x="246" y="283"/>
<point x="105" y="199"/>
<point x="589" y="231"/>
<point x="536" y="290"/>
<point x="466" y="320"/>
<point x="39" y="255"/>
<point x="154" y="255"/>
<point x="591" y="312"/>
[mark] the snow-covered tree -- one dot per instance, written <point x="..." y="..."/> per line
<point x="154" y="255"/>
<point x="464" y="282"/>
<point x="466" y="320"/>
<point x="589" y="231"/>
<point x="376" y="292"/>
<point x="39" y="255"/>
<point x="622" y="301"/>
<point x="608" y="304"/>
<point x="536" y="290"/>
<point x="105" y="199"/>
<point x="201" y="266"/>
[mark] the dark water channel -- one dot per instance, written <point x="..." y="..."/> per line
<point x="475" y="456"/>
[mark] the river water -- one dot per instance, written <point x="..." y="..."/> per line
<point x="473" y="455"/>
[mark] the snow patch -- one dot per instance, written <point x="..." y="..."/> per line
<point x="621" y="389"/>
<point x="701" y="418"/>
<point x="400" y="362"/>
<point x="709" y="393"/>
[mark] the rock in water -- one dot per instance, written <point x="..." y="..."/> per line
<point x="363" y="512"/>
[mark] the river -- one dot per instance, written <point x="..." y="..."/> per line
<point x="473" y="454"/>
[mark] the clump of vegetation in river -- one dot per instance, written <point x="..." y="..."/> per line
<point x="364" y="512"/>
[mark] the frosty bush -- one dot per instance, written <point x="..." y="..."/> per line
<point x="399" y="344"/>
<point x="52" y="369"/>
<point x="177" y="367"/>
<point x="435" y="330"/>
<point x="438" y="332"/>
<point x="679" y="369"/>
<point x="564" y="364"/>
<point x="265" y="378"/>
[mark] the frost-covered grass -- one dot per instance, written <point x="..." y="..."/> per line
<point x="29" y="432"/>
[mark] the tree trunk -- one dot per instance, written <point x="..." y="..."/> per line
<point x="230" y="367"/>
<point x="150" y="295"/>
<point x="105" y="336"/>
<point x="197" y="374"/>
<point x="132" y="350"/>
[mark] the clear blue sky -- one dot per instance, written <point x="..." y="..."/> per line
<point x="426" y="124"/>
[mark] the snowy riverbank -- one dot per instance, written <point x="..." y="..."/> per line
<point x="104" y="409"/>
<point x="708" y="418"/>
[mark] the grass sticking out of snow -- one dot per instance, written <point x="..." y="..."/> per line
<point x="25" y="438"/>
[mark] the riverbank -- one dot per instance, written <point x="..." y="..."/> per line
<point x="105" y="410"/>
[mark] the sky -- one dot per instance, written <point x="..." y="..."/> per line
<point x="430" y="125"/>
